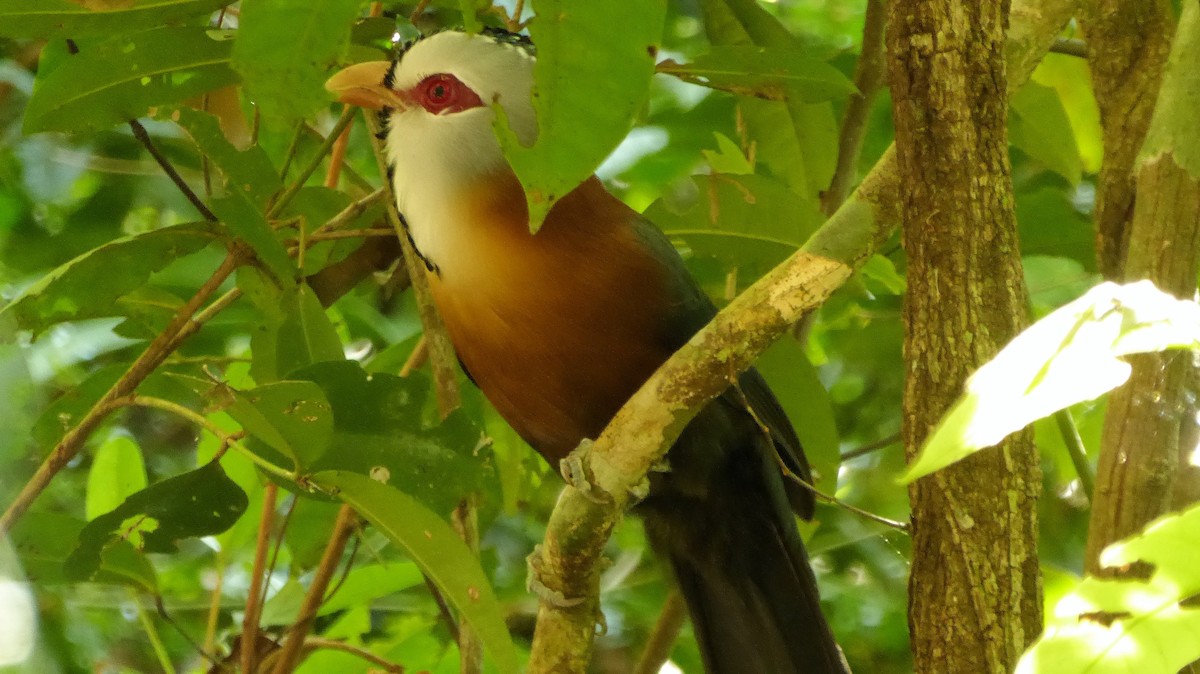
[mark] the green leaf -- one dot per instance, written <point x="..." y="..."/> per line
<point x="590" y="82"/>
<point x="1040" y="128"/>
<point x="250" y="180"/>
<point x="90" y="285"/>
<point x="727" y="158"/>
<point x="294" y="333"/>
<point x="777" y="74"/>
<point x="117" y="472"/>
<point x="43" y="542"/>
<point x="747" y="222"/>
<point x="1130" y="625"/>
<point x="1070" y="356"/>
<point x="434" y="546"/>
<point x="119" y="79"/>
<point x="801" y="394"/>
<point x="363" y="585"/>
<point x="284" y="53"/>
<point x="201" y="502"/>
<point x="52" y="19"/>
<point x="292" y="417"/>
<point x="378" y="430"/>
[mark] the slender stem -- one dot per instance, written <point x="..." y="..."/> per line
<point x="418" y="357"/>
<point x="354" y="177"/>
<point x="160" y="650"/>
<point x="441" y="351"/>
<point x="293" y="147"/>
<point x="315" y="643"/>
<point x="871" y="447"/>
<point x="349" y="213"/>
<point x="443" y="607"/>
<point x="313" y="164"/>
<point x="250" y="619"/>
<point x="214" y="606"/>
<point x="338" y="156"/>
<point x="470" y="649"/>
<point x="1076" y="450"/>
<point x="344" y="234"/>
<point x="289" y="656"/>
<point x="158" y="350"/>
<point x="868" y="75"/>
<point x="662" y="638"/>
<point x="139" y="132"/>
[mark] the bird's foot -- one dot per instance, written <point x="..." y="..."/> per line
<point x="534" y="584"/>
<point x="577" y="472"/>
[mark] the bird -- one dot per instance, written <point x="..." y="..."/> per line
<point x="559" y="328"/>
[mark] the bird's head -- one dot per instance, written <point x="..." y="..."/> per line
<point x="438" y="98"/>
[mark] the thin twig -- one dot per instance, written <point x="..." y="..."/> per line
<point x="1076" y="450"/>
<point x="443" y="607"/>
<point x="292" y="148"/>
<point x="899" y="526"/>
<point x="139" y="132"/>
<point x="156" y="643"/>
<point x="257" y="578"/>
<point x="662" y="638"/>
<point x="470" y="649"/>
<point x="313" y="164"/>
<point x="158" y="350"/>
<point x="214" y="607"/>
<point x="1070" y="46"/>
<point x="315" y="643"/>
<point x="353" y="176"/>
<point x="868" y="75"/>
<point x="418" y="357"/>
<point x="871" y="447"/>
<point x="199" y="648"/>
<point x="441" y="351"/>
<point x="338" y="155"/>
<point x="289" y="656"/>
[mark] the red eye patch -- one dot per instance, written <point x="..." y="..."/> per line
<point x="444" y="93"/>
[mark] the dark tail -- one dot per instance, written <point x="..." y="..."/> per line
<point x="722" y="518"/>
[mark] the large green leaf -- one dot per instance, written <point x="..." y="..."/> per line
<point x="363" y="585"/>
<point x="800" y="392"/>
<point x="1039" y="126"/>
<point x="294" y="332"/>
<point x="122" y="78"/>
<point x="250" y="180"/>
<point x="50" y="19"/>
<point x="117" y="472"/>
<point x="201" y="502"/>
<point x="1070" y="356"/>
<point x="434" y="546"/>
<point x="90" y="285"/>
<point x="590" y="82"/>
<point x="285" y="51"/>
<point x="747" y="222"/>
<point x="43" y="542"/>
<point x="379" y="429"/>
<point x="1130" y="625"/>
<point x="776" y="74"/>
<point x="292" y="417"/>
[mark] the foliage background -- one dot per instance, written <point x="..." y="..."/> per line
<point x="88" y="182"/>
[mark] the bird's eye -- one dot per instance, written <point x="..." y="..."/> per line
<point x="445" y="93"/>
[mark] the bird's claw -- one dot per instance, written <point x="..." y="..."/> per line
<point x="577" y="473"/>
<point x="534" y="584"/>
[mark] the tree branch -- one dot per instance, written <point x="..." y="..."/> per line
<point x="648" y="423"/>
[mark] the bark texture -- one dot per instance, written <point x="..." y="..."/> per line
<point x="1127" y="47"/>
<point x="1140" y="454"/>
<point x="974" y="592"/>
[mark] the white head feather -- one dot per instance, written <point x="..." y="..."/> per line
<point x="436" y="156"/>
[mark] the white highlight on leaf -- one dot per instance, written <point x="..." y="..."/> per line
<point x="18" y="622"/>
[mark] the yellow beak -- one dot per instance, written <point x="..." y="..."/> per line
<point x="362" y="85"/>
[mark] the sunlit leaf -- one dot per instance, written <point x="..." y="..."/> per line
<point x="772" y="73"/>
<point x="89" y="285"/>
<point x="285" y="52"/>
<point x="1040" y="128"/>
<point x="122" y="78"/>
<point x="49" y="19"/>
<point x="1072" y="355"/>
<point x="1130" y="625"/>
<point x="585" y="99"/>
<point x="434" y="546"/>
<point x="201" y="502"/>
<point x="363" y="585"/>
<point x="117" y="472"/>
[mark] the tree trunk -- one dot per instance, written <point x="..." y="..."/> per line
<point x="1139" y="450"/>
<point x="1127" y="47"/>
<point x="975" y="591"/>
